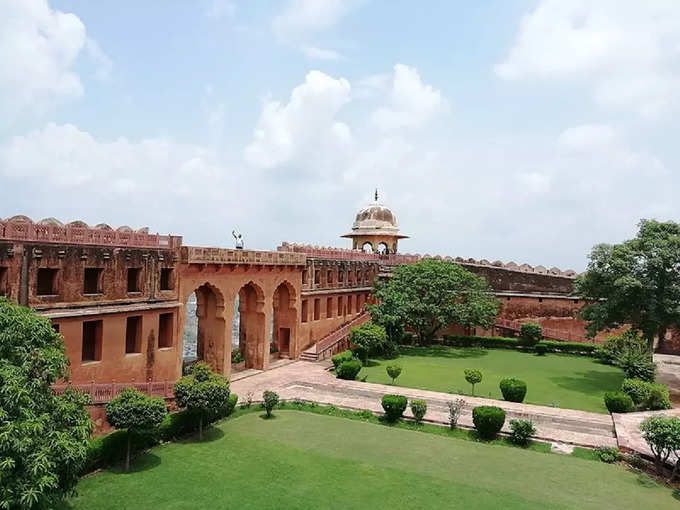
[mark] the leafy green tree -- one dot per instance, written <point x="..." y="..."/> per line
<point x="432" y="294"/>
<point x="530" y="333"/>
<point x="368" y="339"/>
<point x="136" y="412"/>
<point x="636" y="282"/>
<point x="662" y="434"/>
<point x="473" y="376"/>
<point x="202" y="392"/>
<point x="43" y="436"/>
<point x="270" y="400"/>
<point x="388" y="313"/>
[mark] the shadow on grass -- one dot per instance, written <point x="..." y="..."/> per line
<point x="590" y="382"/>
<point x="264" y="416"/>
<point x="138" y="464"/>
<point x="445" y="352"/>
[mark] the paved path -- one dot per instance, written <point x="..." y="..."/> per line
<point x="628" y="431"/>
<point x="311" y="381"/>
<point x="668" y="372"/>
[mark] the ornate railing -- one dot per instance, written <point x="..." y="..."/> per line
<point x="102" y="393"/>
<point x="549" y="333"/>
<point x="197" y="255"/>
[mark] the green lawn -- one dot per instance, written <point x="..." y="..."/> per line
<point x="573" y="382"/>
<point x="303" y="460"/>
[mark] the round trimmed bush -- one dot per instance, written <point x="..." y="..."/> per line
<point x="349" y="370"/>
<point x="418" y="408"/>
<point x="637" y="389"/>
<point x="394" y="406"/>
<point x="618" y="402"/>
<point x="339" y="359"/>
<point x="530" y="333"/>
<point x="488" y="420"/>
<point x="659" y="398"/>
<point x="393" y="371"/>
<point x="541" y="349"/>
<point x="513" y="390"/>
<point x="522" y="430"/>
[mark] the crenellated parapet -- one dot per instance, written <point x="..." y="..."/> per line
<point x="51" y="230"/>
<point x="198" y="255"/>
<point x="323" y="252"/>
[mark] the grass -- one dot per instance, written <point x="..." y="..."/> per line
<point x="303" y="460"/>
<point x="572" y="382"/>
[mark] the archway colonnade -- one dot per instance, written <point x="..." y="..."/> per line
<point x="264" y="300"/>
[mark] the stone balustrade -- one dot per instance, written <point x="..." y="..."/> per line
<point x="102" y="393"/>
<point x="198" y="255"/>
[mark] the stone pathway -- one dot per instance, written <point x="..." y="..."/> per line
<point x="668" y="372"/>
<point x="628" y="431"/>
<point x="311" y="381"/>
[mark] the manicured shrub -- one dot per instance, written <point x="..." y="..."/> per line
<point x="418" y="408"/>
<point x="231" y="403"/>
<point x="522" y="430"/>
<point x="637" y="363"/>
<point x="393" y="371"/>
<point x="609" y="454"/>
<point x="530" y="333"/>
<point x="637" y="389"/>
<point x="614" y="345"/>
<point x="494" y="342"/>
<point x="339" y="359"/>
<point x="349" y="370"/>
<point x="488" y="420"/>
<point x="269" y="401"/>
<point x="618" y="402"/>
<point x="513" y="390"/>
<point x="455" y="409"/>
<point x="473" y="376"/>
<point x="369" y="339"/>
<point x="394" y="406"/>
<point x="136" y="412"/>
<point x="662" y="434"/>
<point x="659" y="398"/>
<point x="541" y="349"/>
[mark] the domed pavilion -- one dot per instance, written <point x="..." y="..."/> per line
<point x="375" y="229"/>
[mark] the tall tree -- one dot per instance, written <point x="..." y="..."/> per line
<point x="43" y="437"/>
<point x="636" y="282"/>
<point x="432" y="294"/>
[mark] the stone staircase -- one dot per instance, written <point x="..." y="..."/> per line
<point x="335" y="341"/>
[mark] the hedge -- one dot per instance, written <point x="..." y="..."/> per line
<point x="394" y="406"/>
<point x="488" y="420"/>
<point x="499" y="342"/>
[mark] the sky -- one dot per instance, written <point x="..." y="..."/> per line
<point x="523" y="131"/>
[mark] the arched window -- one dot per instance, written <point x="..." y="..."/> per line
<point x="383" y="249"/>
<point x="367" y="247"/>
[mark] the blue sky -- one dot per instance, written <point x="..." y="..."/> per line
<point x="524" y="131"/>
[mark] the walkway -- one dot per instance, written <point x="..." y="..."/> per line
<point x="311" y="381"/>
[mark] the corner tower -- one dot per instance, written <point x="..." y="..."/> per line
<point x="375" y="229"/>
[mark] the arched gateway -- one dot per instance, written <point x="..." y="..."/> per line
<point x="266" y="286"/>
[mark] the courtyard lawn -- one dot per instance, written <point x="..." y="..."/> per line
<point x="303" y="460"/>
<point x="572" y="382"/>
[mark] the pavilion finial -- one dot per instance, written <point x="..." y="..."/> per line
<point x="376" y="194"/>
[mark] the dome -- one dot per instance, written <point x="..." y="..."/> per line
<point x="375" y="219"/>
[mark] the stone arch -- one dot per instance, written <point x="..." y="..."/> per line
<point x="368" y="247"/>
<point x="211" y="329"/>
<point x="284" y="327"/>
<point x="383" y="248"/>
<point x="252" y="341"/>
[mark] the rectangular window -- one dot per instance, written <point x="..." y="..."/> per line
<point x="317" y="309"/>
<point x="133" y="334"/>
<point x="349" y="305"/>
<point x="165" y="328"/>
<point x="317" y="277"/>
<point x="47" y="282"/>
<point x="92" y="341"/>
<point x="304" y="276"/>
<point x="55" y="327"/>
<point x="341" y="276"/>
<point x="167" y="278"/>
<point x="134" y="279"/>
<point x="4" y="285"/>
<point x="340" y="312"/>
<point x="329" y="307"/>
<point x="92" y="280"/>
<point x="304" y="310"/>
<point x="329" y="277"/>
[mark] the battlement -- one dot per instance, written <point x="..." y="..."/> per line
<point x="51" y="230"/>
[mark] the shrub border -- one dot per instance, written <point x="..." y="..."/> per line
<point x="500" y="342"/>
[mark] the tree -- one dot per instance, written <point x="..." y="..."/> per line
<point x="270" y="400"/>
<point x="530" y="333"/>
<point x="367" y="339"/>
<point x="473" y="376"/>
<point x="202" y="392"/>
<point x="636" y="282"/>
<point x="43" y="436"/>
<point x="432" y="294"/>
<point x="662" y="434"/>
<point x="136" y="412"/>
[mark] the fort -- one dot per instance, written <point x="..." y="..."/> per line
<point x="118" y="296"/>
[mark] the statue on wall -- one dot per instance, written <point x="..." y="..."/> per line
<point x="239" y="239"/>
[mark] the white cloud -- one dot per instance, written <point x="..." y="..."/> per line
<point x="320" y="53"/>
<point x="305" y="126"/>
<point x="38" y="50"/>
<point x="300" y="17"/>
<point x="412" y="103"/>
<point x="626" y="51"/>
